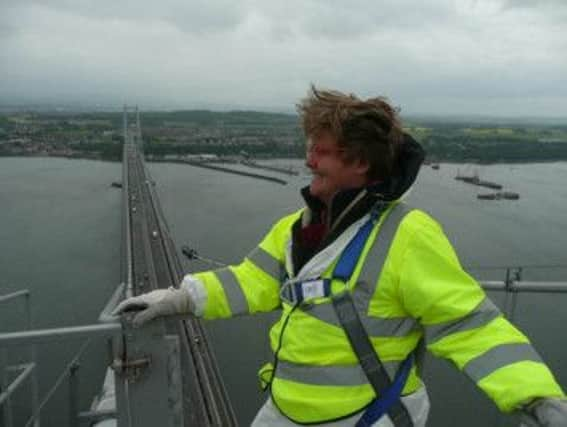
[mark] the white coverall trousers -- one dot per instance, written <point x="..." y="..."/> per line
<point x="417" y="404"/>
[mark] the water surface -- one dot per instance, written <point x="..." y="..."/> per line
<point x="60" y="237"/>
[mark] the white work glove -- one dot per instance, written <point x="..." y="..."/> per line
<point x="547" y="412"/>
<point x="163" y="302"/>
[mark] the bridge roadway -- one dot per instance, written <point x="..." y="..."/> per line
<point x="150" y="262"/>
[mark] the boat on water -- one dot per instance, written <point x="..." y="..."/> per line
<point x="505" y="195"/>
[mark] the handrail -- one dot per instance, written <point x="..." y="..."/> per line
<point x="513" y="285"/>
<point x="13" y="295"/>
<point x="30" y="338"/>
<point x="27" y="369"/>
<point x="524" y="286"/>
<point x="37" y="336"/>
<point x="25" y="293"/>
<point x="516" y="266"/>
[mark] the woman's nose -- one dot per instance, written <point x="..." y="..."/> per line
<point x="310" y="160"/>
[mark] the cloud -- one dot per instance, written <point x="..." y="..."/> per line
<point x="264" y="54"/>
<point x="338" y="20"/>
<point x="195" y="16"/>
<point x="546" y="5"/>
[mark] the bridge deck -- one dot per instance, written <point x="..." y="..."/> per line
<point x="150" y="262"/>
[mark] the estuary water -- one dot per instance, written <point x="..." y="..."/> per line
<point x="60" y="237"/>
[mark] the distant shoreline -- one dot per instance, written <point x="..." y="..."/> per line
<point x="178" y="161"/>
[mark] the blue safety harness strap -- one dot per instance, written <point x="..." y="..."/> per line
<point x="347" y="262"/>
<point x="389" y="401"/>
<point x="388" y="392"/>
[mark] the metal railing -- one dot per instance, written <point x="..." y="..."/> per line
<point x="513" y="285"/>
<point x="23" y="371"/>
<point x="146" y="356"/>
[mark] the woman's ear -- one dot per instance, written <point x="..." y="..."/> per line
<point x="362" y="166"/>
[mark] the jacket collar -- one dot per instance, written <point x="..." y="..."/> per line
<point x="352" y="203"/>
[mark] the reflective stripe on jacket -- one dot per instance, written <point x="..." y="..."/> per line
<point x="421" y="291"/>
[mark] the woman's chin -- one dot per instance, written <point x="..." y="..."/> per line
<point x="318" y="190"/>
<point x="315" y="188"/>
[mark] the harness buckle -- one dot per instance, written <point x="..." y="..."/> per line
<point x="305" y="291"/>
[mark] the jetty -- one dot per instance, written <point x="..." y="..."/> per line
<point x="288" y="171"/>
<point x="217" y="167"/>
<point x="475" y="180"/>
<point x="499" y="195"/>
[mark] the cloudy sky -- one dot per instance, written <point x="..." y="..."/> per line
<point x="496" y="57"/>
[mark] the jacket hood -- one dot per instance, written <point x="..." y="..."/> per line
<point x="405" y="173"/>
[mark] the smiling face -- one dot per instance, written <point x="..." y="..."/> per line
<point x="331" y="172"/>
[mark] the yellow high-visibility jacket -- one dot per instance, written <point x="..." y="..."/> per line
<point x="420" y="292"/>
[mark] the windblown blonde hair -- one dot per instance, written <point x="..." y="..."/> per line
<point x="367" y="129"/>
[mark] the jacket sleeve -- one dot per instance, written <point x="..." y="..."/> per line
<point x="254" y="284"/>
<point x="461" y="324"/>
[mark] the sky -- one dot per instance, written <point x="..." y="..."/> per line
<point x="485" y="57"/>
